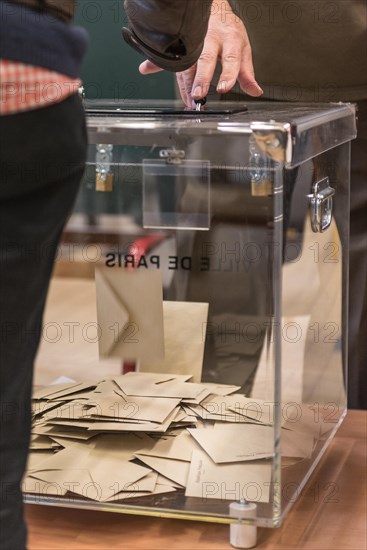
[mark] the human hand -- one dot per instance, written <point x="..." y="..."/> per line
<point x="227" y="41"/>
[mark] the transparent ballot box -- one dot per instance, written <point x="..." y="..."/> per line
<point x="196" y="324"/>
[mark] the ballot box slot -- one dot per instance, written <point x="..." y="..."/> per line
<point x="165" y="113"/>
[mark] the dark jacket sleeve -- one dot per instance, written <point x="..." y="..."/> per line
<point x="170" y="33"/>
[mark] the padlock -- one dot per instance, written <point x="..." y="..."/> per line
<point x="104" y="182"/>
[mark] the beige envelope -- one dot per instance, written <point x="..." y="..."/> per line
<point x="146" y="484"/>
<point x="35" y="458"/>
<point x="67" y="441"/>
<point x="220" y="389"/>
<point x="68" y="479"/>
<point x="43" y="488"/>
<point x="59" y="391"/>
<point x="227" y="416"/>
<point x="156" y="385"/>
<point x="176" y="470"/>
<point x="255" y="409"/>
<point x="207" y="480"/>
<point x="135" y="408"/>
<point x="96" y="427"/>
<point x="39" y="408"/>
<point x="153" y="377"/>
<point x="183" y="417"/>
<point x="43" y="393"/>
<point x="223" y="405"/>
<point x="42" y="443"/>
<point x="188" y="393"/>
<point x="249" y="442"/>
<point x="130" y="314"/>
<point x="167" y="482"/>
<point x="123" y="446"/>
<point x="236" y="443"/>
<point x="68" y="411"/>
<point x="176" y="448"/>
<point x="184" y="340"/>
<point x="105" y="387"/>
<point x="64" y="431"/>
<point x="82" y="471"/>
<point x="158" y="490"/>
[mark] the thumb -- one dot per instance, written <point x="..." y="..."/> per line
<point x="147" y="67"/>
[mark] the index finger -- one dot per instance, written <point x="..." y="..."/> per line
<point x="205" y="68"/>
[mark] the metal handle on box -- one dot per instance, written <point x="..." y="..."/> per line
<point x="321" y="205"/>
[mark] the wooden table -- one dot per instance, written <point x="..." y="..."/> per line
<point x="318" y="521"/>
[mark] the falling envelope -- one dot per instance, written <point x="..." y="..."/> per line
<point x="111" y="313"/>
<point x="130" y="314"/>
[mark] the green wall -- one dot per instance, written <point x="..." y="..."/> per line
<point x="110" y="69"/>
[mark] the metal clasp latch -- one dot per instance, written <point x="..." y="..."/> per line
<point x="104" y="174"/>
<point x="321" y="205"/>
<point x="172" y="156"/>
<point x="81" y="92"/>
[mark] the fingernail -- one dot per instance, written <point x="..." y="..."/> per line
<point x="253" y="89"/>
<point x="222" y="86"/>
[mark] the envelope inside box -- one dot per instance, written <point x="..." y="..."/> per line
<point x="130" y="314"/>
<point x="135" y="323"/>
<point x="184" y="339"/>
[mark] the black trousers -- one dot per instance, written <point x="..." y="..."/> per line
<point x="42" y="156"/>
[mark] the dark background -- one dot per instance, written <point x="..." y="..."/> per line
<point x="110" y="69"/>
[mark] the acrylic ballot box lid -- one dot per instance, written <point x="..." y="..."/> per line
<point x="307" y="129"/>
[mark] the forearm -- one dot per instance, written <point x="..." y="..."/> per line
<point x="170" y="33"/>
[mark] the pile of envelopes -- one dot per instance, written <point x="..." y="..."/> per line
<point x="148" y="434"/>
